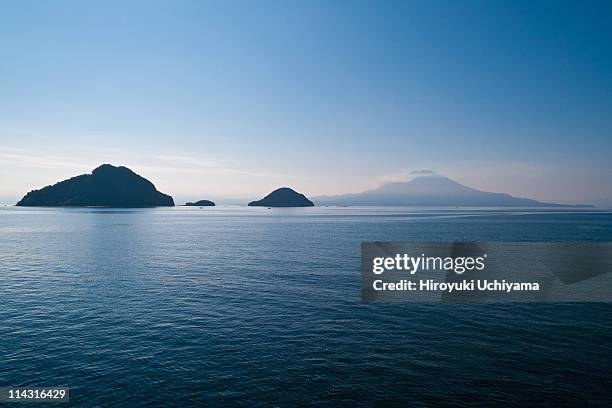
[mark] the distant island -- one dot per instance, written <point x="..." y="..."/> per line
<point x="201" y="203"/>
<point x="283" y="197"/>
<point x="430" y="189"/>
<point x="106" y="186"/>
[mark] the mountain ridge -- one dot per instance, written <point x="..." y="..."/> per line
<point x="431" y="189"/>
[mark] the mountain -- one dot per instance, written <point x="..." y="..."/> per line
<point x="283" y="197"/>
<point x="106" y="186"/>
<point x="201" y="203"/>
<point x="430" y="189"/>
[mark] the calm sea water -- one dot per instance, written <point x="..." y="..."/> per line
<point x="228" y="306"/>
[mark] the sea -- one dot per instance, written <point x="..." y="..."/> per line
<point x="240" y="306"/>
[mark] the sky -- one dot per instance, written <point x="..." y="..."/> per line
<point x="231" y="99"/>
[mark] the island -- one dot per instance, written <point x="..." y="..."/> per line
<point x="427" y="188"/>
<point x="106" y="186"/>
<point x="283" y="197"/>
<point x="201" y="203"/>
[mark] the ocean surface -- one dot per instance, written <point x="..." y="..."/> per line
<point x="232" y="306"/>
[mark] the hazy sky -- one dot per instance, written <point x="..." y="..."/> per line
<point x="214" y="99"/>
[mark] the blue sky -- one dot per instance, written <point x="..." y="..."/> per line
<point x="232" y="99"/>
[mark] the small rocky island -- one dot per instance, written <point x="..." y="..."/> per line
<point x="106" y="186"/>
<point x="283" y="197"/>
<point x="201" y="203"/>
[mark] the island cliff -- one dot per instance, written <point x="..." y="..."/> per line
<point x="283" y="197"/>
<point x="106" y="186"/>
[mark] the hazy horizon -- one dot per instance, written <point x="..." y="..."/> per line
<point x="243" y="200"/>
<point x="223" y="100"/>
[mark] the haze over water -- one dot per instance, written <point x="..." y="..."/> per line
<point x="191" y="307"/>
